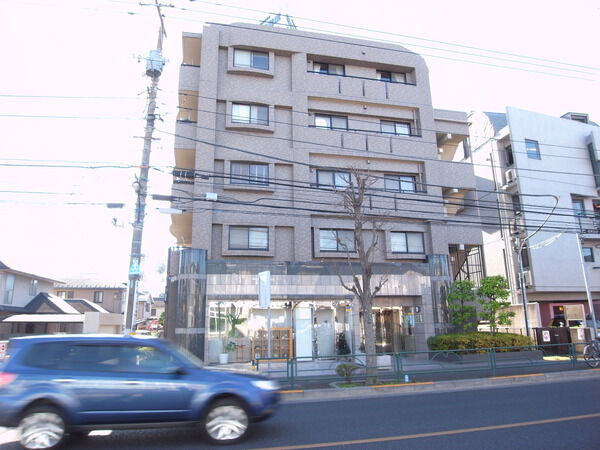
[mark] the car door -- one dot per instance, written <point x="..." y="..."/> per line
<point x="117" y="383"/>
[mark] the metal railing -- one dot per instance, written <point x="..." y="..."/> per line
<point x="405" y="367"/>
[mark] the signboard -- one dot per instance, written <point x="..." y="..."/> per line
<point x="546" y="335"/>
<point x="264" y="289"/>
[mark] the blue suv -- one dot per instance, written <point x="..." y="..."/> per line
<point x="53" y="386"/>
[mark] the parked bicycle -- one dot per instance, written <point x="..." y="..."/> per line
<point x="591" y="353"/>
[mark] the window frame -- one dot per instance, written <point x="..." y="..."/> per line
<point x="396" y="124"/>
<point x="588" y="254"/>
<point x="398" y="178"/>
<point x="33" y="287"/>
<point x="328" y="66"/>
<point x="409" y="249"/>
<point x="248" y="229"/>
<point x="254" y="180"/>
<point x="8" y="295"/>
<point x="249" y="119"/>
<point x="335" y="176"/>
<point x="252" y="54"/>
<point x="331" y="118"/>
<point x="339" y="246"/>
<point x="99" y="298"/>
<point x="532" y="152"/>
<point x="390" y="79"/>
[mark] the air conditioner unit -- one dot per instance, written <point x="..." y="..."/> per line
<point x="511" y="176"/>
<point x="528" y="278"/>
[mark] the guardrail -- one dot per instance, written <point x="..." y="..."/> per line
<point x="405" y="366"/>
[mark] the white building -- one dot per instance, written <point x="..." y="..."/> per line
<point x="538" y="179"/>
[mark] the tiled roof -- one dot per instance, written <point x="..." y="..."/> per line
<point x="90" y="283"/>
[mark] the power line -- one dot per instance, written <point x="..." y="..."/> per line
<point x="370" y="132"/>
<point x="403" y="36"/>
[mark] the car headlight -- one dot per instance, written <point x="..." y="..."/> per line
<point x="267" y="385"/>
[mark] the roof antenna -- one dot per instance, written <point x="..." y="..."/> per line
<point x="275" y="19"/>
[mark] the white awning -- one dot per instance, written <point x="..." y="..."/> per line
<point x="47" y="318"/>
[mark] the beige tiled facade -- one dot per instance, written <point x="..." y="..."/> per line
<point x="289" y="98"/>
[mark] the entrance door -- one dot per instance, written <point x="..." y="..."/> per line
<point x="388" y="331"/>
<point x="325" y="332"/>
<point x="303" y="327"/>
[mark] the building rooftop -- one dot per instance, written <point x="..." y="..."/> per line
<point x="90" y="283"/>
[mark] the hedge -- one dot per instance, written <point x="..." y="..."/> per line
<point x="478" y="339"/>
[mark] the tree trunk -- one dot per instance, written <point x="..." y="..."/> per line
<point x="371" y="356"/>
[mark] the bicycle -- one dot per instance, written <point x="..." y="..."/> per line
<point x="591" y="353"/>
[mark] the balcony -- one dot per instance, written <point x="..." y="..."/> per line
<point x="588" y="224"/>
<point x="451" y="131"/>
<point x="366" y="141"/>
<point x="360" y="88"/>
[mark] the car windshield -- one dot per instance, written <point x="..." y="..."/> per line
<point x="186" y="355"/>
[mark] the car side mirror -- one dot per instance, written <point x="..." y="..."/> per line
<point x="179" y="371"/>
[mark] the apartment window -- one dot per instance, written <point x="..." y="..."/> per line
<point x="400" y="183"/>
<point x="407" y="242"/>
<point x="516" y="203"/>
<point x="33" y="287"/>
<point x="588" y="254"/>
<point x="216" y="315"/>
<point x="331" y="122"/>
<point x="533" y="149"/>
<point x="330" y="69"/>
<point x="249" y="173"/>
<point x="336" y="240"/>
<point x="510" y="160"/>
<point x="9" y="288"/>
<point x="248" y="238"/>
<point x="255" y="114"/>
<point x="334" y="179"/>
<point x="98" y="296"/>
<point x="250" y="58"/>
<point x="392" y="77"/>
<point x="397" y="128"/>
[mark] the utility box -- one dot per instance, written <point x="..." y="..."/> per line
<point x="550" y="337"/>
<point x="579" y="336"/>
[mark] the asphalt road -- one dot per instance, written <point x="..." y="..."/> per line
<point x="559" y="415"/>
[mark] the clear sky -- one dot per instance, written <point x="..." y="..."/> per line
<point x="73" y="93"/>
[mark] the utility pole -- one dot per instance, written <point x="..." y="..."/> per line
<point x="154" y="66"/>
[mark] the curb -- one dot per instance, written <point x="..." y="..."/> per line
<point x="299" y="395"/>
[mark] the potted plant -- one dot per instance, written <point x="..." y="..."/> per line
<point x="228" y="347"/>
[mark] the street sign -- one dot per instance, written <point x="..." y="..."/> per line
<point x="264" y="289"/>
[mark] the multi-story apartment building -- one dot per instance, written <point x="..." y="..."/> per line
<point x="539" y="177"/>
<point x="272" y="122"/>
<point x="108" y="294"/>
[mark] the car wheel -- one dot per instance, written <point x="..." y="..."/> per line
<point x="42" y="427"/>
<point x="226" y="422"/>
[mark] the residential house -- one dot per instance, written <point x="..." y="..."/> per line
<point x="49" y="314"/>
<point x="271" y="124"/>
<point x="17" y="289"/>
<point x="538" y="178"/>
<point x="109" y="294"/>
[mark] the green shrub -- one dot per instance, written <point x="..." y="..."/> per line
<point x="478" y="339"/>
<point x="345" y="370"/>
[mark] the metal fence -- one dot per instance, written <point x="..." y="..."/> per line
<point x="426" y="365"/>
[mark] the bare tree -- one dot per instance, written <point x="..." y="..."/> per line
<point x="354" y="201"/>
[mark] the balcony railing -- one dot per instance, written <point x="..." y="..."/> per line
<point x="361" y="78"/>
